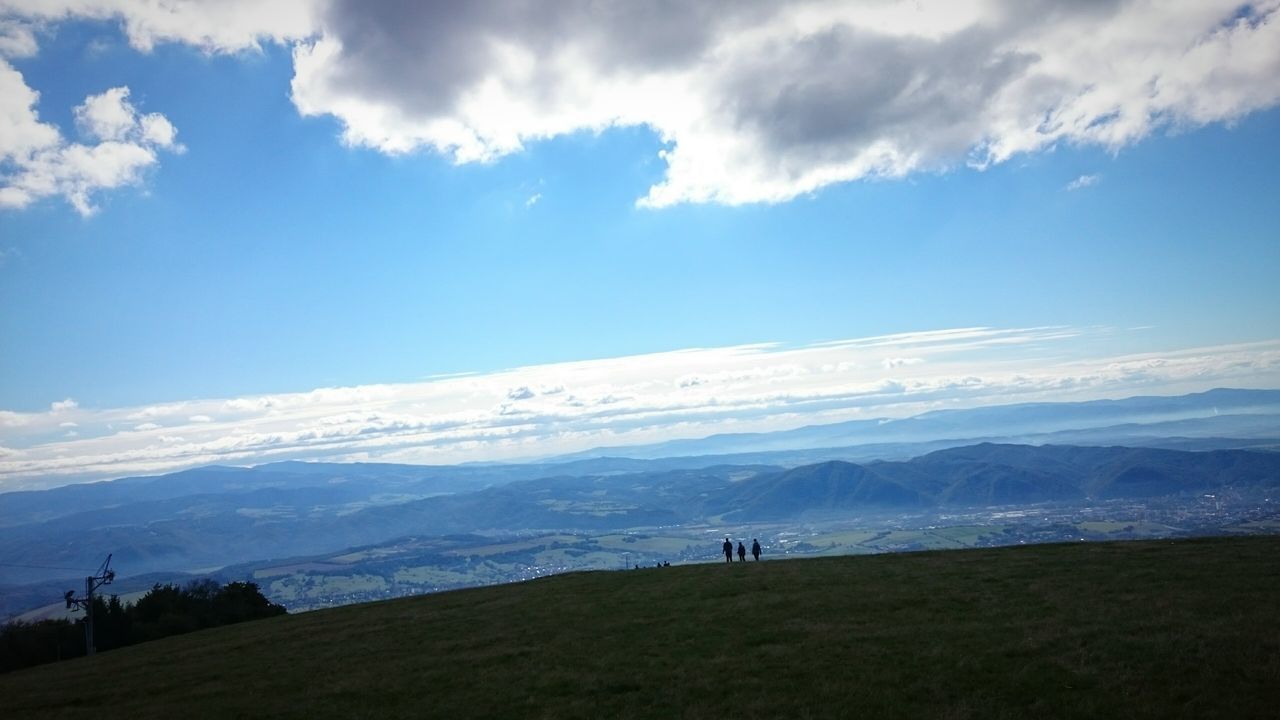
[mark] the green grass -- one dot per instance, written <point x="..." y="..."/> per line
<point x="1105" y="527"/>
<point x="290" y="588"/>
<point x="868" y="541"/>
<point x="657" y="544"/>
<point x="508" y="547"/>
<point x="1185" y="629"/>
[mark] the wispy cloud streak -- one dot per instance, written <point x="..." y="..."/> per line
<point x="548" y="409"/>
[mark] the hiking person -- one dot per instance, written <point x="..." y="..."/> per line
<point x="755" y="549"/>
<point x="728" y="550"/>
<point x="742" y="552"/>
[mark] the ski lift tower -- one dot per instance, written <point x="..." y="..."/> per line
<point x="104" y="576"/>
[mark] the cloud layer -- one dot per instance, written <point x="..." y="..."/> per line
<point x="551" y="409"/>
<point x="754" y="101"/>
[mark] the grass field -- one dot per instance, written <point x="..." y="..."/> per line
<point x="1185" y="629"/>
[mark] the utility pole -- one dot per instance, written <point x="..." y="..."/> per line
<point x="104" y="576"/>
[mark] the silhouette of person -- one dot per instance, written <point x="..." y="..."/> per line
<point x="728" y="550"/>
<point x="742" y="552"/>
<point x="755" y="548"/>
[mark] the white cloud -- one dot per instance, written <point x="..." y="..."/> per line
<point x="1083" y="181"/>
<point x="23" y="133"/>
<point x="572" y="406"/>
<point x="16" y="39"/>
<point x="212" y="25"/>
<point x="533" y="200"/>
<point x="521" y="393"/>
<point x="64" y="405"/>
<point x="754" y="101"/>
<point x="895" y="362"/>
<point x="760" y="102"/>
<point x="37" y="162"/>
<point x="108" y="116"/>
<point x="157" y="130"/>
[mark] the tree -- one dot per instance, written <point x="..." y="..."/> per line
<point x="164" y="610"/>
<point x="23" y="644"/>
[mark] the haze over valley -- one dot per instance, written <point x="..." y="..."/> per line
<point x="316" y="534"/>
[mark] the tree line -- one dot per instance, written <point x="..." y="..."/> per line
<point x="165" y="610"/>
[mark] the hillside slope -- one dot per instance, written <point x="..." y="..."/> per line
<point x="1142" y="629"/>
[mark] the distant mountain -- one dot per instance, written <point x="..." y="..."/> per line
<point x="829" y="486"/>
<point x="1254" y="414"/>
<point x="993" y="474"/>
<point x="210" y="530"/>
<point x="1111" y="472"/>
<point x="309" y="484"/>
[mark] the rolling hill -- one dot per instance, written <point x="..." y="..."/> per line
<point x="829" y="486"/>
<point x="1138" y="629"/>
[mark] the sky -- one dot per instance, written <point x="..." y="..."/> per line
<point x="232" y="232"/>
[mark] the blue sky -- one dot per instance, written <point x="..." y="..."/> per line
<point x="282" y="242"/>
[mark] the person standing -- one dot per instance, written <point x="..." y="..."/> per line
<point x="755" y="549"/>
<point x="728" y="550"/>
<point x="742" y="552"/>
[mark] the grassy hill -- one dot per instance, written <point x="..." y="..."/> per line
<point x="1185" y="629"/>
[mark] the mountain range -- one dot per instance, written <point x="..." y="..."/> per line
<point x="991" y="474"/>
<point x="211" y="530"/>
<point x="207" y="518"/>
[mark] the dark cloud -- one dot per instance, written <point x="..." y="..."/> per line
<point x="834" y="93"/>
<point x="423" y="55"/>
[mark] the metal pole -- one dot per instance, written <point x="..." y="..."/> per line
<point x="88" y="616"/>
<point x="104" y="577"/>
